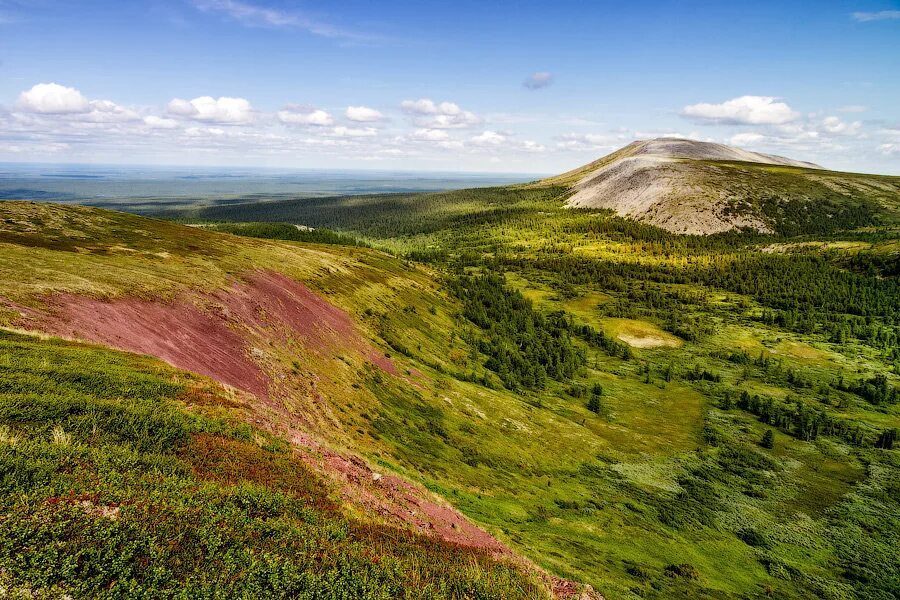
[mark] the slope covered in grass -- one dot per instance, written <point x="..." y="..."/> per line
<point x="639" y="470"/>
<point x="122" y="478"/>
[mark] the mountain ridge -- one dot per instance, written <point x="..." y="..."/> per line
<point x="694" y="187"/>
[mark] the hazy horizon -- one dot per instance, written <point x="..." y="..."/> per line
<point x="428" y="86"/>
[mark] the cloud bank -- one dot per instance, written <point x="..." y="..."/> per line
<point x="746" y="110"/>
<point x="55" y="121"/>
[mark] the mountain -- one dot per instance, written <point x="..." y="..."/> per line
<point x="466" y="394"/>
<point x="693" y="187"/>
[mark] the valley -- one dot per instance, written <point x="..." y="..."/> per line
<point x="506" y="392"/>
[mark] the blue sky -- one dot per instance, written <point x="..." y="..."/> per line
<point x="521" y="86"/>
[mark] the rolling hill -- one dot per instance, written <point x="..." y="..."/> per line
<point x="270" y="395"/>
<point x="693" y="187"/>
<point x="489" y="395"/>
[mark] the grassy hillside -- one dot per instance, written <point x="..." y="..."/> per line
<point x="656" y="415"/>
<point x="106" y="458"/>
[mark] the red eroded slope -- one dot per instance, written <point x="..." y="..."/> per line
<point x="212" y="334"/>
<point x="177" y="332"/>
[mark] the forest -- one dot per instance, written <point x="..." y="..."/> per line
<point x="736" y="393"/>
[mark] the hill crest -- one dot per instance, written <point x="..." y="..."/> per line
<point x="694" y="187"/>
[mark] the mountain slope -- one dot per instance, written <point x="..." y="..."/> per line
<point x="296" y="379"/>
<point x="693" y="187"/>
<point x="589" y="390"/>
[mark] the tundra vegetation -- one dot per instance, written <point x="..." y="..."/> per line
<point x="657" y="415"/>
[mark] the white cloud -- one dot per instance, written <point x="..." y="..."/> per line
<point x="53" y="99"/>
<point x="425" y="106"/>
<point x="746" y="110"/>
<point x="882" y="15"/>
<point x="341" y="131"/>
<point x="445" y="115"/>
<point x="155" y="122"/>
<point x="853" y="108"/>
<point x="204" y="131"/>
<point x="301" y="115"/>
<point x="430" y="135"/>
<point x="35" y="149"/>
<point x="224" y="110"/>
<point x="835" y="126"/>
<point x="59" y="102"/>
<point x="889" y="149"/>
<point x="363" y="114"/>
<point x="452" y="145"/>
<point x="746" y="139"/>
<point x="254" y="15"/>
<point x="105" y="111"/>
<point x="489" y="138"/>
<point x="532" y="146"/>
<point x="538" y="80"/>
<point x="891" y="133"/>
<point x="591" y="141"/>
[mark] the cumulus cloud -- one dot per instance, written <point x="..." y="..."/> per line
<point x="444" y="115"/>
<point x="746" y="138"/>
<point x="489" y="138"/>
<point x="53" y="99"/>
<point x="223" y="110"/>
<point x="354" y="132"/>
<point x="105" y="111"/>
<point x="590" y="141"/>
<point x="154" y="122"/>
<point x="430" y="135"/>
<point x="363" y="114"/>
<point x="303" y="115"/>
<point x="882" y="15"/>
<point x="835" y="126"/>
<point x="59" y="102"/>
<point x="538" y="80"/>
<point x="809" y="135"/>
<point x="891" y="133"/>
<point x="746" y="110"/>
<point x="506" y="141"/>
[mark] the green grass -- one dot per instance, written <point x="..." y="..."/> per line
<point x="103" y="465"/>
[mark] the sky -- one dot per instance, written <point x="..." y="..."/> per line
<point x="522" y="86"/>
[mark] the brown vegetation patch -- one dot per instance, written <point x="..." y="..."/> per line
<point x="230" y="461"/>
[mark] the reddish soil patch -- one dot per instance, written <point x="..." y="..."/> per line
<point x="399" y="500"/>
<point x="272" y="304"/>
<point x="212" y="334"/>
<point x="177" y="332"/>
